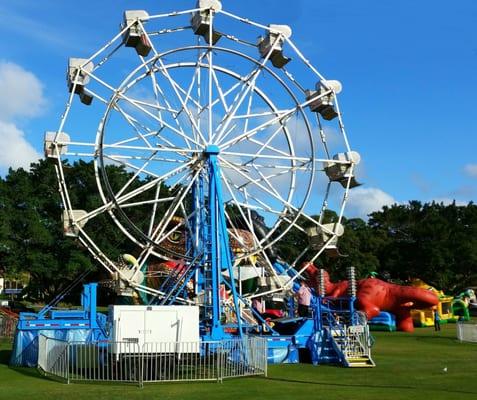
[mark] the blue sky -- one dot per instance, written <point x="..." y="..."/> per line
<point x="408" y="70"/>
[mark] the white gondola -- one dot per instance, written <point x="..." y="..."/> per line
<point x="273" y="42"/>
<point x="201" y="20"/>
<point x="134" y="35"/>
<point x="77" y="78"/>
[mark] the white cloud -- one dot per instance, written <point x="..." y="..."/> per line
<point x="21" y="93"/>
<point x="363" y="201"/>
<point x="15" y="151"/>
<point x="471" y="170"/>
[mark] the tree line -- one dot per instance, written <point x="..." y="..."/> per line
<point x="432" y="241"/>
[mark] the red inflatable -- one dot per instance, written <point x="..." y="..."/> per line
<point x="374" y="295"/>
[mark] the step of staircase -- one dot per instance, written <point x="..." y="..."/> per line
<point x="360" y="362"/>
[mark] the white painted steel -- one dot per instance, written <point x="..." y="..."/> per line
<point x="272" y="147"/>
<point x="154" y="324"/>
<point x="466" y="332"/>
<point x="153" y="362"/>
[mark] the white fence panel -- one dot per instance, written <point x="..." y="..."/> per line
<point x="467" y="332"/>
<point x="53" y="357"/>
<point x="153" y="362"/>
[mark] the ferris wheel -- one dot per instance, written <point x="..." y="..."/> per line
<point x="229" y="137"/>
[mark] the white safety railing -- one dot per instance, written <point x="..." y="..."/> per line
<point x="357" y="343"/>
<point x="153" y="362"/>
<point x="467" y="332"/>
<point x="53" y="357"/>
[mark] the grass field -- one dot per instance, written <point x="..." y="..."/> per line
<point x="409" y="366"/>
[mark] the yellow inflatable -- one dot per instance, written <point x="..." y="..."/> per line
<point x="444" y="308"/>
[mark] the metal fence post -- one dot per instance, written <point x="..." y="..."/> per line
<point x="265" y="356"/>
<point x="67" y="363"/>
<point x="141" y="366"/>
<point x="219" y="364"/>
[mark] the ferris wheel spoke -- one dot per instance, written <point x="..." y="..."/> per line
<point x="263" y="178"/>
<point x="282" y="116"/>
<point x="250" y="226"/>
<point x="178" y="131"/>
<point x="217" y="100"/>
<point x="266" y="145"/>
<point x="266" y="180"/>
<point x="128" y="165"/>
<point x="254" y="156"/>
<point x="123" y="96"/>
<point x="145" y="137"/>
<point x="305" y="166"/>
<point x="174" y="150"/>
<point x="237" y="102"/>
<point x="184" y="108"/>
<point x="153" y="106"/>
<point x="246" y="218"/>
<point x="151" y="184"/>
<point x="175" y="86"/>
<point x="257" y="183"/>
<point x="260" y="205"/>
<point x="135" y="175"/>
<point x="183" y="223"/>
<point x="171" y="211"/>
<point x="245" y="90"/>
<point x="283" y="155"/>
<point x="168" y="144"/>
<point x="222" y="95"/>
<point x="187" y="94"/>
<point x="128" y="196"/>
<point x="146" y="202"/>
<point x="246" y="215"/>
<point x="118" y="157"/>
<point x="134" y="124"/>
<point x="152" y="220"/>
<point x="269" y="147"/>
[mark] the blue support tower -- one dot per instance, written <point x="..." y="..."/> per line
<point x="218" y="255"/>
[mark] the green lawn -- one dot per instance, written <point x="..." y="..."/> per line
<point x="409" y="366"/>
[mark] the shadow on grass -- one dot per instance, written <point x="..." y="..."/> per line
<point x="436" y="338"/>
<point x="368" y="386"/>
<point x="5" y="356"/>
<point x="30" y="372"/>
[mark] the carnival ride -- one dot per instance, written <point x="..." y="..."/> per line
<point x="229" y="144"/>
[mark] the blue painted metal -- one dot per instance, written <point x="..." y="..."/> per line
<point x="48" y="318"/>
<point x="218" y="252"/>
<point x="83" y="325"/>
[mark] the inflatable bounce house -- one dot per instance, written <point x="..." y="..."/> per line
<point x="373" y="296"/>
<point x="461" y="303"/>
<point x="423" y="317"/>
<point x="385" y="321"/>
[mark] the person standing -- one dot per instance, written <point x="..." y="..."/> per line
<point x="304" y="300"/>
<point x="437" y="320"/>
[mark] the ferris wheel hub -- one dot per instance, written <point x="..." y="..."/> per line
<point x="211" y="149"/>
